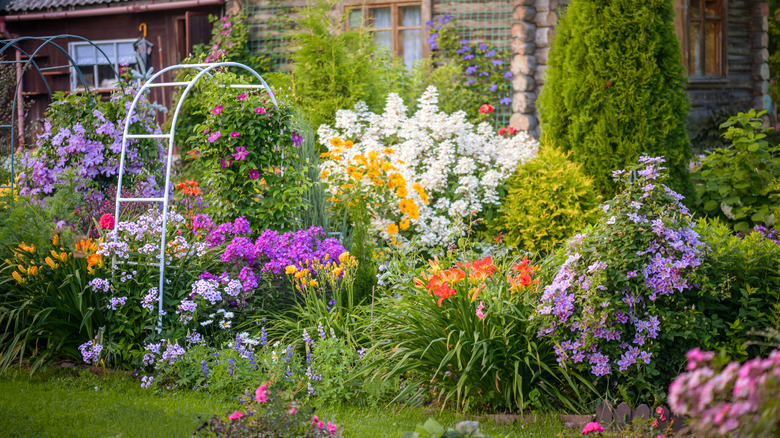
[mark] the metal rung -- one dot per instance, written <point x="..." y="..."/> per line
<point x="6" y="126"/>
<point x="148" y="135"/>
<point x="141" y="199"/>
<point x="165" y="84"/>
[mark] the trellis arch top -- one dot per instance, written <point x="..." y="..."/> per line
<point x="203" y="70"/>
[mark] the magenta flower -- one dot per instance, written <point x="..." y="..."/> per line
<point x="241" y="96"/>
<point x="241" y="153"/>
<point x="217" y="110"/>
<point x="481" y="306"/>
<point x="226" y="163"/>
<point x="259" y="110"/>
<point x="260" y="394"/>
<point x="254" y="174"/>
<point x="331" y="428"/>
<point x="592" y="427"/>
<point x="214" y="136"/>
<point x="234" y="134"/>
<point x="236" y="415"/>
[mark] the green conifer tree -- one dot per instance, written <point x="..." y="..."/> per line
<point x="615" y="89"/>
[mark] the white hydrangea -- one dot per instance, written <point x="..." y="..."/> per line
<point x="459" y="165"/>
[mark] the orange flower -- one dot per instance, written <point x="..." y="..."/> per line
<point x="94" y="260"/>
<point x="453" y="275"/>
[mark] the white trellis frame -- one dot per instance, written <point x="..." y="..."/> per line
<point x="203" y="70"/>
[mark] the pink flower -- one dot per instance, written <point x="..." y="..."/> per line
<point x="236" y="415"/>
<point x="234" y="134"/>
<point x="217" y="110"/>
<point x="240" y="153"/>
<point x="106" y="222"/>
<point x="291" y="411"/>
<point x="592" y="427"/>
<point x="321" y="425"/>
<point x="331" y="428"/>
<point x="314" y="420"/>
<point x="659" y="410"/>
<point x="226" y="163"/>
<point x="260" y="394"/>
<point x="254" y="174"/>
<point x="214" y="136"/>
<point x="241" y="96"/>
<point x="259" y="110"/>
<point x="481" y="306"/>
<point x="215" y="47"/>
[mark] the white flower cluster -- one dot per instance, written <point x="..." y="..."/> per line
<point x="458" y="165"/>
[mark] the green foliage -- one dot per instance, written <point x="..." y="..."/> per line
<point x="739" y="183"/>
<point x="615" y="89"/>
<point x="332" y="68"/>
<point x="432" y="429"/>
<point x="248" y="155"/>
<point x="740" y="291"/>
<point x="548" y="200"/>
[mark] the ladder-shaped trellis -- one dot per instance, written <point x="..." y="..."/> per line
<point x="203" y="70"/>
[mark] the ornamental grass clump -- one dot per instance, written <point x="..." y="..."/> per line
<point x="429" y="176"/>
<point x="615" y="304"/>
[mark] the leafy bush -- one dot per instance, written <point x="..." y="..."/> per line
<point x="462" y="326"/>
<point x="738" y="183"/>
<point x="431" y="176"/>
<point x="729" y="399"/>
<point x="615" y="89"/>
<point x="548" y="199"/>
<point x="740" y="282"/>
<point x="248" y="155"/>
<point x="615" y="305"/>
<point x="333" y="69"/>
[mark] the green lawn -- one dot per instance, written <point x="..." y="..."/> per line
<point x="66" y="403"/>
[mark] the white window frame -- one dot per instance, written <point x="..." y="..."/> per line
<point x="75" y="84"/>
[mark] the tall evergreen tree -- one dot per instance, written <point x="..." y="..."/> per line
<point x="615" y="89"/>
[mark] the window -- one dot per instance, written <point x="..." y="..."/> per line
<point x="397" y="27"/>
<point x="700" y="30"/>
<point x="98" y="69"/>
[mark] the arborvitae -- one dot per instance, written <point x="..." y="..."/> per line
<point x="615" y="89"/>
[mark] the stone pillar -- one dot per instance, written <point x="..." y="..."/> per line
<point x="759" y="38"/>
<point x="533" y="27"/>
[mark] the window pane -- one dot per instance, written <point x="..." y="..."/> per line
<point x="106" y="78"/>
<point x="411" y="41"/>
<point x="89" y="76"/>
<point x="108" y="49"/>
<point x="126" y="53"/>
<point x="84" y="54"/>
<point x="712" y="8"/>
<point x="695" y="51"/>
<point x="382" y="18"/>
<point x="355" y="18"/>
<point x="410" y="16"/>
<point x="384" y="39"/>
<point x="712" y="48"/>
<point x="695" y="13"/>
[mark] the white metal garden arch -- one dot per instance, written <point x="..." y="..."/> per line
<point x="203" y="70"/>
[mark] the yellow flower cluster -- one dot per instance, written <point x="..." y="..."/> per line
<point x="327" y="271"/>
<point x="27" y="266"/>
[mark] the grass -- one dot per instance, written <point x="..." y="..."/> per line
<point x="66" y="403"/>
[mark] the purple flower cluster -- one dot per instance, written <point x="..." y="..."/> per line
<point x="90" y="352"/>
<point x="729" y="400"/>
<point x="277" y="251"/>
<point x="116" y="302"/>
<point x="100" y="285"/>
<point x="601" y="303"/>
<point x="185" y="310"/>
